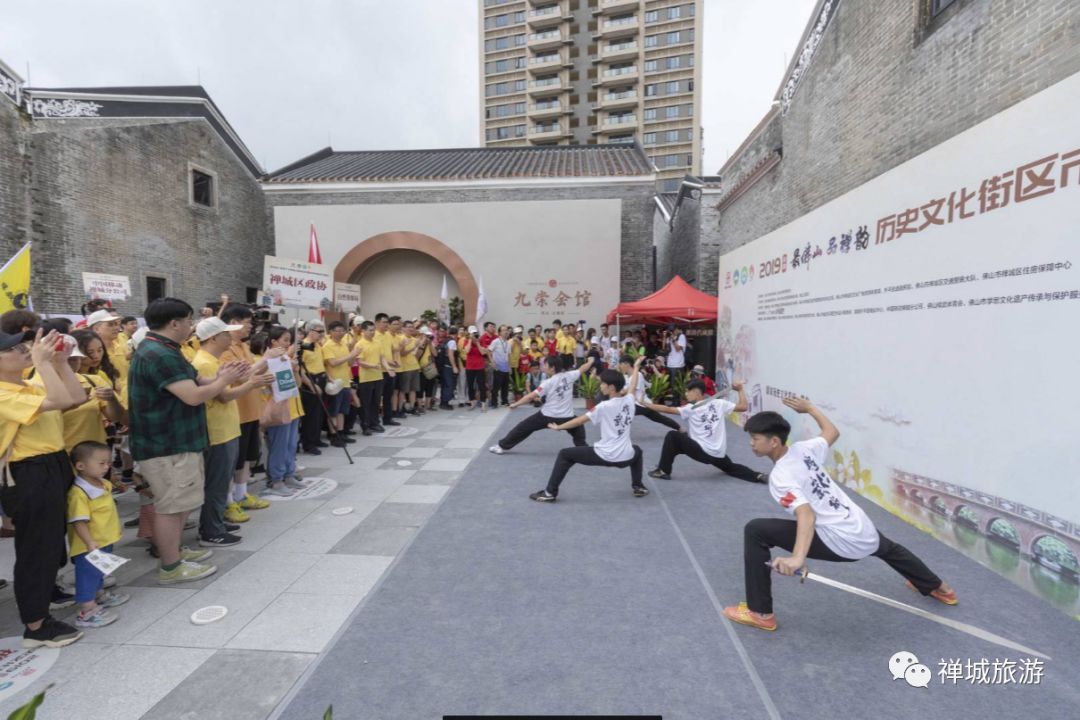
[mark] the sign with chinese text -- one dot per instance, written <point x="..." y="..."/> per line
<point x="19" y="666"/>
<point x="930" y="313"/>
<point x="297" y="284"/>
<point x="346" y="297"/>
<point x="99" y="286"/>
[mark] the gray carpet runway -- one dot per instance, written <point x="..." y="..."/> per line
<point x="593" y="605"/>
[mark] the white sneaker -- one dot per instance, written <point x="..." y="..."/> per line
<point x="496" y="449"/>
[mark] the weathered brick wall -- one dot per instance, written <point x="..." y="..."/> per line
<point x="14" y="179"/>
<point x="883" y="88"/>
<point x="637" y="215"/>
<point x="112" y="196"/>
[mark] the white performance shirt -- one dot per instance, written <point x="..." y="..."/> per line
<point x="677" y="358"/>
<point x="558" y="394"/>
<point x="799" y="478"/>
<point x="614" y="416"/>
<point x="706" y="425"/>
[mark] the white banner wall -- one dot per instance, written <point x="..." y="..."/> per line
<point x="932" y="314"/>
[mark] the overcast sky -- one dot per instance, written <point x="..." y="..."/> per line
<point x="293" y="76"/>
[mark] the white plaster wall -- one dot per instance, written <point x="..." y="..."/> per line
<point x="549" y="246"/>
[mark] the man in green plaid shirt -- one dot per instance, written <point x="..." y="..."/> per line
<point x="168" y="431"/>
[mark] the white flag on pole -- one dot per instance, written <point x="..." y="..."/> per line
<point x="444" y="303"/>
<point x="481" y="303"/>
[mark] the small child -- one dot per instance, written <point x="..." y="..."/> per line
<point x="93" y="524"/>
<point x="535" y="377"/>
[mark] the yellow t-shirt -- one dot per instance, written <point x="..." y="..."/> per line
<point x="371" y="352"/>
<point x="95" y="506"/>
<point x="386" y="346"/>
<point x="408" y="354"/>
<point x="84" y="422"/>
<point x="565" y="344"/>
<point x="222" y="418"/>
<point x="189" y="348"/>
<point x="425" y="357"/>
<point x="332" y="351"/>
<point x="27" y="430"/>
<point x="313" y="361"/>
<point x="516" y="348"/>
<point x="118" y="357"/>
<point x="249" y="404"/>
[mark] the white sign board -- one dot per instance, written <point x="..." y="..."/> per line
<point x="346" y="297"/>
<point x="99" y="286"/>
<point x="19" y="666"/>
<point x="931" y="314"/>
<point x="297" y="284"/>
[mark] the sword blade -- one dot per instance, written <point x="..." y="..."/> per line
<point x="954" y="624"/>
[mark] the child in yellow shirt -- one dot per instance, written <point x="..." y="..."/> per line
<point x="93" y="524"/>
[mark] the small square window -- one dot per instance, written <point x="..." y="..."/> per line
<point x="155" y="288"/>
<point x="203" y="192"/>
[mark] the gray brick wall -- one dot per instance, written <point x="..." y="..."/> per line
<point x="15" y="168"/>
<point x="883" y="87"/>
<point x="112" y="196"/>
<point x="637" y="215"/>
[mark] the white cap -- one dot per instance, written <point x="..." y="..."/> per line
<point x="212" y="326"/>
<point x="519" y="329"/>
<point x="425" y="330"/>
<point x="75" y="351"/>
<point x="472" y="329"/>
<point x="357" y="320"/>
<point x="100" y="316"/>
<point x="698" y="369"/>
<point x="138" y="337"/>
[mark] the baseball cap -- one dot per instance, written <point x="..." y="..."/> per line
<point x="9" y="341"/>
<point x="472" y="329"/>
<point x="519" y="329"/>
<point x="212" y="326"/>
<point x="100" y="316"/>
<point x="698" y="369"/>
<point x="425" y="330"/>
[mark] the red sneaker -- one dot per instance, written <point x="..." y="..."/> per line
<point x="949" y="598"/>
<point x="746" y="616"/>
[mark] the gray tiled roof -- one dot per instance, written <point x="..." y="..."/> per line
<point x="668" y="201"/>
<point x="559" y="161"/>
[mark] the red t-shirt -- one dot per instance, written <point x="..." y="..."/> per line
<point x="550" y="345"/>
<point x="474" y="360"/>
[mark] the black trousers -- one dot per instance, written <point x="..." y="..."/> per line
<point x="352" y="414"/>
<point x="539" y="421"/>
<point x="656" y="417"/>
<point x="389" y="385"/>
<point x="500" y="388"/>
<point x="370" y="392"/>
<point x="37" y="505"/>
<point x="762" y="534"/>
<point x="448" y="380"/>
<point x="311" y="423"/>
<point x="568" y="457"/>
<point x="476" y="383"/>
<point x="677" y="443"/>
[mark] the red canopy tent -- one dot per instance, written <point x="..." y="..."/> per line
<point x="676" y="302"/>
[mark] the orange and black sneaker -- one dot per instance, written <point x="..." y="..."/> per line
<point x="744" y="615"/>
<point x="949" y="598"/>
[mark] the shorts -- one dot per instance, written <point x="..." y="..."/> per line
<point x="250" y="447"/>
<point x="176" y="481"/>
<point x="338" y="404"/>
<point x="409" y="381"/>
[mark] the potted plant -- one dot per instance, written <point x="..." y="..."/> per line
<point x="589" y="388"/>
<point x="658" y="387"/>
<point x="517" y="384"/>
<point x="679" y="380"/>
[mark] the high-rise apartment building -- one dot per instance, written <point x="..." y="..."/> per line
<point x="583" y="72"/>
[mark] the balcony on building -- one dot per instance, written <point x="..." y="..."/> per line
<point x="617" y="76"/>
<point x="614" y="7"/>
<point x="625" y="50"/>
<point x="545" y="40"/>
<point x="617" y="27"/>
<point x="615" y="100"/>
<point x="546" y="86"/>
<point x="551" y="131"/>
<point x="541" y="64"/>
<point x="617" y="123"/>
<point x="548" y="109"/>
<point x="545" y="17"/>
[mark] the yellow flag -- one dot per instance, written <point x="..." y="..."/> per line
<point x="15" y="281"/>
